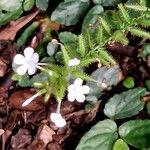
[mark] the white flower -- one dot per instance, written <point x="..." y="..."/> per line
<point x="28" y="62"/>
<point x="73" y="62"/>
<point x="58" y="120"/>
<point x="77" y="91"/>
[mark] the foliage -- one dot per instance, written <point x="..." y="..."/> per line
<point x="125" y="105"/>
<point x="129" y="82"/>
<point x="120" y="145"/>
<point x="100" y="136"/>
<point x="70" y="12"/>
<point x="136" y="133"/>
<point x="105" y="77"/>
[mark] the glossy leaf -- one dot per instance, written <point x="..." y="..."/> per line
<point x="92" y="15"/>
<point x="70" y="12"/>
<point x="136" y="133"/>
<point x="100" y="137"/>
<point x="125" y="105"/>
<point x="120" y="145"/>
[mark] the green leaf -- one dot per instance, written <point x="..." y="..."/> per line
<point x="10" y="5"/>
<point x="70" y="12"/>
<point x="92" y="15"/>
<point x="136" y="133"/>
<point x="99" y="137"/>
<point x="107" y="2"/>
<point x="103" y="75"/>
<point x="125" y="105"/>
<point x="120" y="145"/>
<point x="41" y="77"/>
<point x="42" y="4"/>
<point x="51" y="48"/>
<point x="27" y="33"/>
<point x="10" y="10"/>
<point x="67" y="37"/>
<point x="147" y="84"/>
<point x="24" y="81"/>
<point x="146" y="51"/>
<point x="129" y="82"/>
<point x="28" y="4"/>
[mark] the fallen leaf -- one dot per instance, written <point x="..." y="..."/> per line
<point x="45" y="133"/>
<point x="21" y="139"/>
<point x="18" y="97"/>
<point x="10" y="31"/>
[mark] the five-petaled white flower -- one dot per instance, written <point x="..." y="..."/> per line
<point x="28" y="62"/>
<point x="73" y="62"/>
<point x="77" y="91"/>
<point x="58" y="120"/>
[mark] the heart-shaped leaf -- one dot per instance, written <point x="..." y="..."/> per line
<point x="100" y="137"/>
<point x="120" y="145"/>
<point x="70" y="12"/>
<point x="136" y="133"/>
<point x="126" y="104"/>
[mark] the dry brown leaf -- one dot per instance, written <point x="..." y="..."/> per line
<point x="10" y="31"/>
<point x="45" y="133"/>
<point x="18" y="97"/>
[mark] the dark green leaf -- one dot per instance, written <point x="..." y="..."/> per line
<point x="99" y="137"/>
<point x="136" y="133"/>
<point x="24" y="81"/>
<point x="120" y="145"/>
<point x="126" y="104"/>
<point x="42" y="4"/>
<point x="106" y="76"/>
<point x="51" y="48"/>
<point x="67" y="37"/>
<point x="146" y="51"/>
<point x="70" y="12"/>
<point x="92" y="15"/>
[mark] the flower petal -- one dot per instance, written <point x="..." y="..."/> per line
<point x="58" y="119"/>
<point x="35" y="58"/>
<point x="71" y="96"/>
<point x="22" y="69"/>
<point x="78" y="82"/>
<point x="19" y="59"/>
<point x="80" y="98"/>
<point x="85" y="89"/>
<point x="28" y="53"/>
<point x="31" y="69"/>
<point x="29" y="100"/>
<point x="73" y="62"/>
<point x="71" y="88"/>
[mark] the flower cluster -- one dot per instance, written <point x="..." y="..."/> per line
<point x="29" y="63"/>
